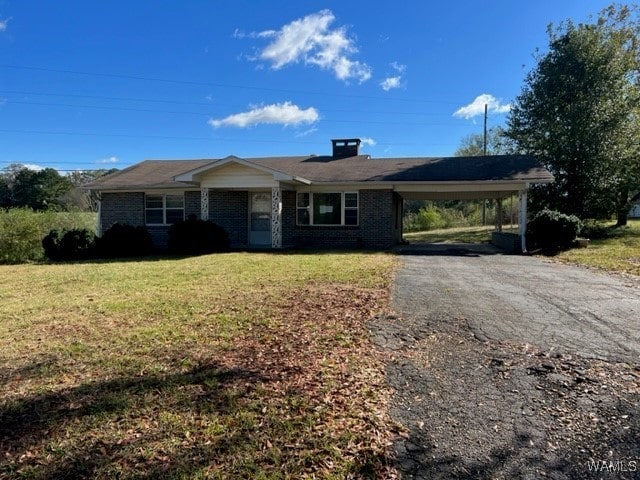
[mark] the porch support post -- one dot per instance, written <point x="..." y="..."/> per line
<point x="498" y="215"/>
<point x="522" y="220"/>
<point x="204" y="204"/>
<point x="276" y="217"/>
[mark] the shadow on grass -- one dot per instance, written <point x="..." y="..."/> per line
<point x="29" y="425"/>
<point x="42" y="366"/>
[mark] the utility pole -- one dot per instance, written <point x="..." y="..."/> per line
<point x="484" y="151"/>
<point x="485" y="129"/>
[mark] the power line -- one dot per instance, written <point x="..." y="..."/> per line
<point x="208" y="105"/>
<point x="144" y="110"/>
<point x="212" y="138"/>
<point x="213" y="84"/>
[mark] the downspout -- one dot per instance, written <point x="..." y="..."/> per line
<point x="99" y="219"/>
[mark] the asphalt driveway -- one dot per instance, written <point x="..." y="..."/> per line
<point x="523" y="299"/>
<point x="511" y="367"/>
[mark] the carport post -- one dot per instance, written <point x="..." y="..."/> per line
<point x="522" y="220"/>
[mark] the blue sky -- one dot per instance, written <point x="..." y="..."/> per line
<point x="86" y="85"/>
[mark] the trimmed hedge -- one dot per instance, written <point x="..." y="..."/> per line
<point x="197" y="237"/>
<point x="552" y="230"/>
<point x="76" y="244"/>
<point x="122" y="240"/>
<point x="119" y="240"/>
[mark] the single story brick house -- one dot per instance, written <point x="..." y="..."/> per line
<point x="345" y="200"/>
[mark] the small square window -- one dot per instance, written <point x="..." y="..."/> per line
<point x="154" y="217"/>
<point x="175" y="201"/>
<point x="164" y="209"/>
<point x="303" y="200"/>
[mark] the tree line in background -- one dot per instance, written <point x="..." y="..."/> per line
<point x="47" y="189"/>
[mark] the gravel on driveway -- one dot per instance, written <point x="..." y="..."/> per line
<point x="509" y="366"/>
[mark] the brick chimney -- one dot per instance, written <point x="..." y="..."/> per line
<point x="345" y="147"/>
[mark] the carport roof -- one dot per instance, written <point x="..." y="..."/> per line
<point x="329" y="170"/>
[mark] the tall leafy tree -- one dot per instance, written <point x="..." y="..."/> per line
<point x="473" y="144"/>
<point x="38" y="189"/>
<point x="578" y="113"/>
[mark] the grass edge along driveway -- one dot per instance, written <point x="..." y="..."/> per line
<point x="241" y="365"/>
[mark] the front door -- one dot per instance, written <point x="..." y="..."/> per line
<point x="260" y="218"/>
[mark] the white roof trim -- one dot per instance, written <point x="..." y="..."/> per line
<point x="279" y="176"/>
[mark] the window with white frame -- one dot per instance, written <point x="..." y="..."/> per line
<point x="327" y="208"/>
<point x="164" y="209"/>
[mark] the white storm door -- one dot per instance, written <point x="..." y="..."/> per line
<point x="260" y="218"/>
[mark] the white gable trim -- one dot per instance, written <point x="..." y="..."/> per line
<point x="278" y="176"/>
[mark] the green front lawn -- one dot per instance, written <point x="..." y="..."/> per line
<point x="618" y="253"/>
<point x="481" y="234"/>
<point x="240" y="365"/>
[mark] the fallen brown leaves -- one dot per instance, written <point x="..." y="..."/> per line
<point x="318" y="354"/>
<point x="298" y="392"/>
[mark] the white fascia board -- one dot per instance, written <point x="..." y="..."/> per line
<point x="495" y="186"/>
<point x="191" y="176"/>
<point x="473" y="186"/>
<point x="150" y="189"/>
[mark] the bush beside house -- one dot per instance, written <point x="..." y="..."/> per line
<point x="197" y="237"/>
<point x="190" y="237"/>
<point x="76" y="244"/>
<point x="552" y="230"/>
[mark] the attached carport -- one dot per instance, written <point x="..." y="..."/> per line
<point x="467" y="178"/>
<point x="478" y="190"/>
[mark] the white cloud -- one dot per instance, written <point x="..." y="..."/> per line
<point x="390" y="82"/>
<point x="368" y="141"/>
<point x="310" y="40"/>
<point x="111" y="159"/>
<point x="279" y="113"/>
<point x="33" y="166"/>
<point x="394" y="81"/>
<point x="476" y="107"/>
<point x="306" y="132"/>
<point x="3" y="24"/>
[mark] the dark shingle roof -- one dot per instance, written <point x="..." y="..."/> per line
<point x="147" y="174"/>
<point x="439" y="169"/>
<point x="357" y="169"/>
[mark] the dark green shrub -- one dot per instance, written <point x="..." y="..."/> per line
<point x="552" y="230"/>
<point x="196" y="237"/>
<point x="122" y="240"/>
<point x="75" y="244"/>
<point x="595" y="231"/>
<point x="51" y="245"/>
